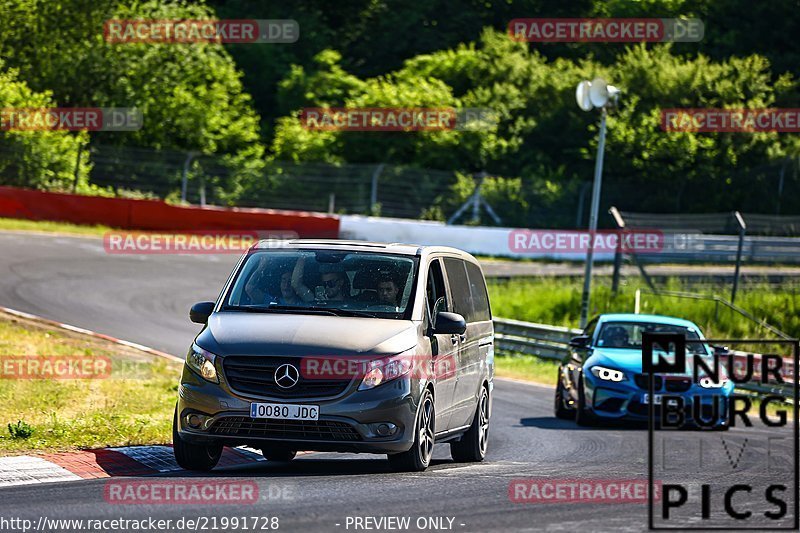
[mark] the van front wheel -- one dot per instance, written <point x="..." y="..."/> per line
<point x="197" y="457"/>
<point x="418" y="457"/>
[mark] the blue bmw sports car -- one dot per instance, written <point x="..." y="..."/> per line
<point x="603" y="378"/>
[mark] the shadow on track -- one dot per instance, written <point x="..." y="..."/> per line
<point x="550" y="422"/>
<point x="309" y="466"/>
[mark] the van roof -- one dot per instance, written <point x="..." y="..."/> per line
<point x="340" y="244"/>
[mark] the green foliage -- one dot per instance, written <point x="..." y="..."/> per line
<point x="543" y="144"/>
<point x="375" y="53"/>
<point x="557" y="301"/>
<point x="20" y="430"/>
<point x="40" y="159"/>
<point x="191" y="95"/>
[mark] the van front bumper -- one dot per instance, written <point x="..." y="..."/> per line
<point x="355" y="422"/>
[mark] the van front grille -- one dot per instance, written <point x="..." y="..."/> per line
<point x="255" y="375"/>
<point x="243" y="426"/>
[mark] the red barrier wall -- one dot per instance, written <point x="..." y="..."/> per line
<point x="157" y="215"/>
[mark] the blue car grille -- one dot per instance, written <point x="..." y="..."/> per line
<point x="641" y="381"/>
<point x="669" y="383"/>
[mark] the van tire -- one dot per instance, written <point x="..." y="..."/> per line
<point x="472" y="446"/>
<point x="418" y="457"/>
<point x="195" y="457"/>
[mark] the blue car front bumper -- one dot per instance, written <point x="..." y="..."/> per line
<point x="628" y="399"/>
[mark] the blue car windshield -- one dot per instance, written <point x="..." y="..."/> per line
<point x="628" y="335"/>
<point x="325" y="281"/>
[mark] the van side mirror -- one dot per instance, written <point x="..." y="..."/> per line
<point x="579" y="342"/>
<point x="450" y="323"/>
<point x="200" y="312"/>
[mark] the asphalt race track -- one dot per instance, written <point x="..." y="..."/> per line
<point x="145" y="299"/>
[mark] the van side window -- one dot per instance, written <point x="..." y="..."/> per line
<point x="480" y="298"/>
<point x="435" y="288"/>
<point x="459" y="288"/>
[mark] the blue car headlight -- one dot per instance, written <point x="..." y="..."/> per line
<point x="608" y="374"/>
<point x="202" y="362"/>
<point x="708" y="383"/>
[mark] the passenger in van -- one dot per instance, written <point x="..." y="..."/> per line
<point x="388" y="290"/>
<point x="287" y="296"/>
<point x="335" y="284"/>
<point x="258" y="293"/>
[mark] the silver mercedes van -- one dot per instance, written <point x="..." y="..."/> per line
<point x="345" y="346"/>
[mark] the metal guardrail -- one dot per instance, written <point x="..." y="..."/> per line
<point x="541" y="340"/>
<point x="689" y="247"/>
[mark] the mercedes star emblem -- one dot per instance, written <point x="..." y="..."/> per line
<point x="287" y="376"/>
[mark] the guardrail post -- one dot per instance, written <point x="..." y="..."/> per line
<point x="185" y="176"/>
<point x="742" y="228"/>
<point x="77" y="168"/>
<point x="618" y="252"/>
<point x="373" y="196"/>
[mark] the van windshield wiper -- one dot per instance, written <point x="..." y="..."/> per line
<point x="277" y="309"/>
<point x="348" y="312"/>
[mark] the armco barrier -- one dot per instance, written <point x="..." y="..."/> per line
<point x="157" y="215"/>
<point x="541" y="340"/>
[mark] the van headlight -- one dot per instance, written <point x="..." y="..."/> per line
<point x="383" y="370"/>
<point x="608" y="374"/>
<point x="202" y="362"/>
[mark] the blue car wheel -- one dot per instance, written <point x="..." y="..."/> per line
<point x="560" y="409"/>
<point x="583" y="417"/>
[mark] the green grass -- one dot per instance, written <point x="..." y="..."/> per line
<point x="526" y="368"/>
<point x="14" y="224"/>
<point x="132" y="406"/>
<point x="557" y="302"/>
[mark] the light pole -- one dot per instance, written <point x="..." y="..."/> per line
<point x="596" y="93"/>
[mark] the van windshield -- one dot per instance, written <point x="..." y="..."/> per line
<point x="346" y="283"/>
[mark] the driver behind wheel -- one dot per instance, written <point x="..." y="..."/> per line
<point x="335" y="284"/>
<point x="615" y="337"/>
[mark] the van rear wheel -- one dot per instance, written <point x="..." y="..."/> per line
<point x="474" y="443"/>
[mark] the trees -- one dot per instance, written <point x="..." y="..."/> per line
<point x="543" y="141"/>
<point x="364" y="53"/>
<point x="41" y="159"/>
<point x="191" y="95"/>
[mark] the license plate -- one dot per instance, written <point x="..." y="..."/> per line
<point x="284" y="411"/>
<point x="646" y="400"/>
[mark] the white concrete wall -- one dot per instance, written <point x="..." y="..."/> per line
<point x="473" y="239"/>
